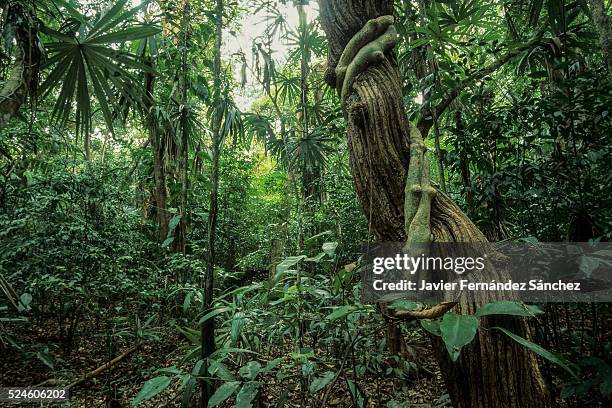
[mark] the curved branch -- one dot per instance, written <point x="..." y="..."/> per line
<point x="426" y="120"/>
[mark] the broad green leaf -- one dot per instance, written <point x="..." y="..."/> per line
<point x="187" y="301"/>
<point x="321" y="382"/>
<point x="46" y="359"/>
<point x="432" y="326"/>
<point x="288" y="263"/>
<point x="25" y="300"/>
<point x="272" y="364"/>
<point x="457" y="331"/>
<point x="404" y="305"/>
<point x="316" y="258"/>
<point x="330" y="248"/>
<point x="247" y="394"/>
<point x="236" y="326"/>
<point x="541" y="351"/>
<point x="191" y="334"/>
<point x="340" y="312"/>
<point x="223" y="392"/>
<point x="174" y="221"/>
<point x="169" y="370"/>
<point x="507" y="307"/>
<point x="213" y="313"/>
<point x="250" y="370"/>
<point x="167" y="242"/>
<point x="151" y="388"/>
<point x="220" y="370"/>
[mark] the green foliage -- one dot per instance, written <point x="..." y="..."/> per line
<point x="554" y="358"/>
<point x="225" y="391"/>
<point x="84" y="62"/>
<point x="151" y="388"/>
<point x="506" y="307"/>
<point x="601" y="378"/>
<point x="526" y="147"/>
<point x="457" y="331"/>
<point x="321" y="382"/>
<point x="247" y="394"/>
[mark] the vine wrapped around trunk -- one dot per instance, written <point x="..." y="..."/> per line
<point x="395" y="193"/>
<point x="23" y="74"/>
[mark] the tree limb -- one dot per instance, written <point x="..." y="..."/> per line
<point x="104" y="367"/>
<point x="426" y="120"/>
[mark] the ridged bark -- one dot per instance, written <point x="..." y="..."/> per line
<point x="492" y="371"/>
<point x="24" y="71"/>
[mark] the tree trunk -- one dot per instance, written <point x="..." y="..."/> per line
<point x="464" y="161"/>
<point x="180" y="233"/>
<point x="492" y="371"/>
<point x="439" y="155"/>
<point x="602" y="23"/>
<point x="208" y="327"/>
<point x="24" y="71"/>
<point x="159" y="170"/>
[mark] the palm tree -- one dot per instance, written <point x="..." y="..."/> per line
<point x="84" y="60"/>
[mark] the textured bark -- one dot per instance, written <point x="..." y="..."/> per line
<point x="492" y="371"/>
<point x="23" y="75"/>
<point x="602" y="23"/>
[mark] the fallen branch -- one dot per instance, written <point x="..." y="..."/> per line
<point x="9" y="292"/>
<point x="103" y="367"/>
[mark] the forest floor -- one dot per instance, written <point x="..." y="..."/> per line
<point x="116" y="386"/>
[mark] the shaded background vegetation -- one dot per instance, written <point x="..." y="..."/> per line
<point x="106" y="157"/>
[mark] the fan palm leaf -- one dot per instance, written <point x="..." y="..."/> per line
<point x="88" y="62"/>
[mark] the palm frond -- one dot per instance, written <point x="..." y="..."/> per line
<point x="89" y="64"/>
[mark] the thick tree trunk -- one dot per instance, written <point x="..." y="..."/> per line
<point x="24" y="72"/>
<point x="602" y="23"/>
<point x="492" y="371"/>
